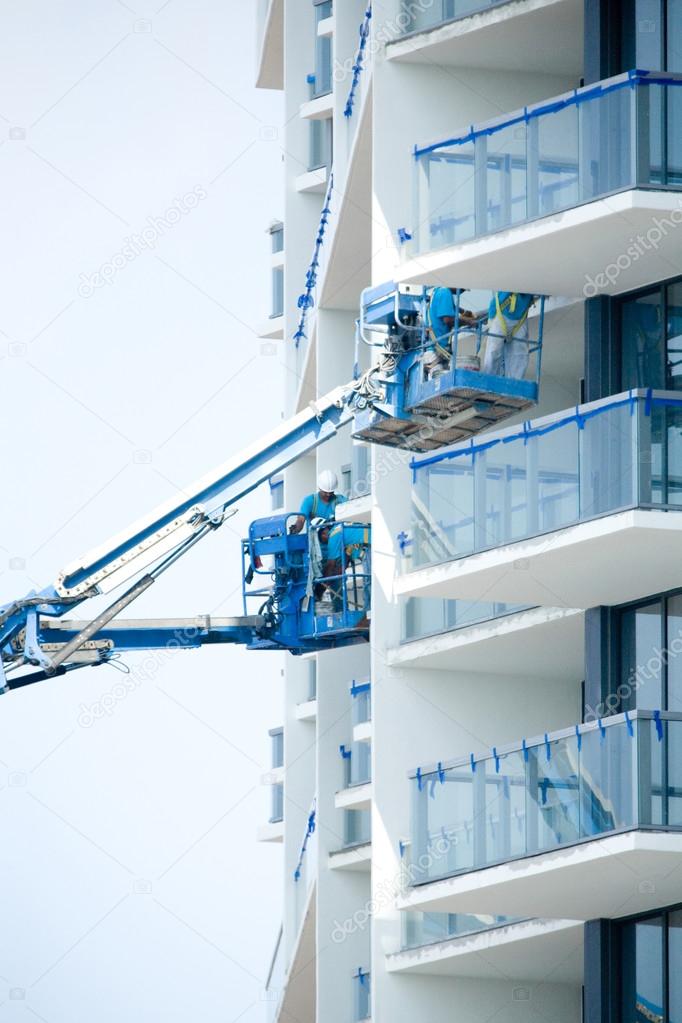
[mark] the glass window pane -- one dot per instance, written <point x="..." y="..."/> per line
<point x="640" y="674"/>
<point x="673" y="810"/>
<point x="451" y="195"/>
<point x="642" y="341"/>
<point x="675" y="966"/>
<point x="648" y="35"/>
<point x="557" y="135"/>
<point x="553" y="795"/>
<point x="642" y="970"/>
<point x="557" y="477"/>
<point x="674" y="648"/>
<point x="674" y="335"/>
<point x="608" y="476"/>
<point x="673" y="36"/>
<point x="505" y="808"/>
<point x="506" y="177"/>
<point x="673" y="136"/>
<point x="608" y="789"/>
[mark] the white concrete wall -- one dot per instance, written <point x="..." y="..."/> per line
<point x="342" y="895"/>
<point x="418" y="104"/>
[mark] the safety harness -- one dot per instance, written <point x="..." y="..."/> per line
<point x="510" y="304"/>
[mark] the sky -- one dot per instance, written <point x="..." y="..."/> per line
<point x="140" y="169"/>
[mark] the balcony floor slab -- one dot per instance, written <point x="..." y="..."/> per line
<point x="607" y="561"/>
<point x="590" y="239"/>
<point x="609" y="877"/>
<point x="530" y="950"/>
<point x="517" y="36"/>
<point x="537" y="642"/>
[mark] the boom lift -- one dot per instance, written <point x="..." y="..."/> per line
<point x="288" y="602"/>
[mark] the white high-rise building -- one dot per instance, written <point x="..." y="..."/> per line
<point x="481" y="807"/>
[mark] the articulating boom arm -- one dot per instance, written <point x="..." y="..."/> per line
<point x="158" y="540"/>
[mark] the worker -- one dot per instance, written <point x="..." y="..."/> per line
<point x="442" y="314"/>
<point x="316" y="509"/>
<point x="320" y="505"/>
<point x="353" y="540"/>
<point x="507" y="353"/>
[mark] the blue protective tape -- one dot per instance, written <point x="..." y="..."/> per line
<point x="576" y="98"/>
<point x="358" y="65"/>
<point x="659" y="725"/>
<point x="305" y="301"/>
<point x="580" y="418"/>
<point x="579" y="738"/>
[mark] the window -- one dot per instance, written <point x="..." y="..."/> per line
<point x="277" y="237"/>
<point x="276" y="493"/>
<point x="346" y="481"/>
<point x="650" y="663"/>
<point x="320" y="143"/>
<point x="277" y="739"/>
<point x="651" y="332"/>
<point x="651" y="968"/>
<point x="277" y="291"/>
<point x="356" y="827"/>
<point x="651" y="34"/>
<point x="322" y="79"/>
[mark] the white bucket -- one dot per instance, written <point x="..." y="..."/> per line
<point x="472" y="363"/>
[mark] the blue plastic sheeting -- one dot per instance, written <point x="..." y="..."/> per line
<point x="306" y="301"/>
<point x="357" y="64"/>
<point x="575" y="98"/>
<point x="529" y="431"/>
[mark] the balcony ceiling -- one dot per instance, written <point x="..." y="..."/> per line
<point x="565" y="254"/>
<point x="532" y="950"/>
<point x="608" y="561"/>
<point x="611" y="877"/>
<point x="540" y="642"/>
<point x="517" y="36"/>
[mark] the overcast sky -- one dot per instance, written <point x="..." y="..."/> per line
<point x="131" y="884"/>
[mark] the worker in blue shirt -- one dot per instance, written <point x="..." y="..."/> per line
<point x="507" y="353"/>
<point x="320" y="505"/>
<point x="441" y="322"/>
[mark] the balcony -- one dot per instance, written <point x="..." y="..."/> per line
<point x="490" y="638"/>
<point x="357" y="791"/>
<point x="521" y="515"/>
<point x="515" y="36"/>
<point x="361" y="715"/>
<point x="488" y="947"/>
<point x="362" y="996"/>
<point x="585" y="173"/>
<point x="583" y="823"/>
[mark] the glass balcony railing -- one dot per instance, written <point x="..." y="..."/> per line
<point x="357" y="761"/>
<point x="622" y="133"/>
<point x="607" y="456"/>
<point x="277" y="802"/>
<point x="362" y="996"/>
<point x="421" y="15"/>
<point x="361" y="702"/>
<point x="429" y="616"/>
<point x="357" y="827"/>
<point x="274" y="985"/>
<point x="420" y="929"/>
<point x="618" y="774"/>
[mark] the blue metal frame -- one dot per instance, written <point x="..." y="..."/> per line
<point x="421" y="413"/>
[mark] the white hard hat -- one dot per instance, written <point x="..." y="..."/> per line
<point x="327" y="481"/>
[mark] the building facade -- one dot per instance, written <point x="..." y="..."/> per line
<point x="481" y="809"/>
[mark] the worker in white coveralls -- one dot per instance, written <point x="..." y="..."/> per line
<point x="507" y="353"/>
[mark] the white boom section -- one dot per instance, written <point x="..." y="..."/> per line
<point x="178" y="519"/>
